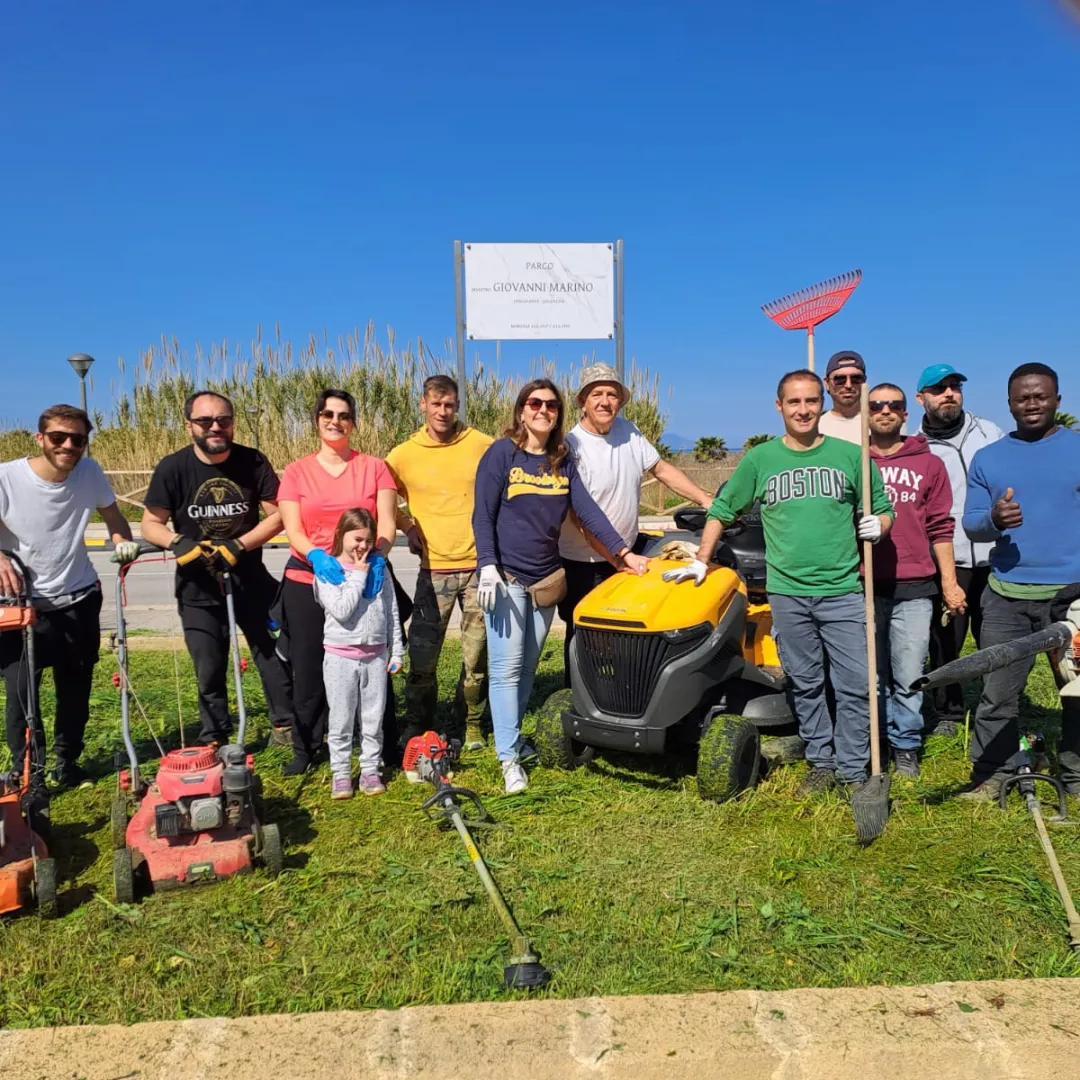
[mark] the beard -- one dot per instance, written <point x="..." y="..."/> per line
<point x="58" y="460"/>
<point x="945" y="414"/>
<point x="203" y="442"/>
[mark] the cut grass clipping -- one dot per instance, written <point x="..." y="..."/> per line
<point x="626" y="879"/>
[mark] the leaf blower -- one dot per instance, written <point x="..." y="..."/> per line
<point x="431" y="758"/>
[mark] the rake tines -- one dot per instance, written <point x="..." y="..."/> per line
<point x="803" y="310"/>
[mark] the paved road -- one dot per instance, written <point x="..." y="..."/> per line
<point x="150" y="603"/>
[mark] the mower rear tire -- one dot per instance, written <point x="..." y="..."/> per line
<point x="123" y="876"/>
<point x="729" y="757"/>
<point x="45" y="887"/>
<point x="273" y="854"/>
<point x="554" y="748"/>
<point x="118" y="821"/>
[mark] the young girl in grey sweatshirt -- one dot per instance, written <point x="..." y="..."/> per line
<point x="360" y="628"/>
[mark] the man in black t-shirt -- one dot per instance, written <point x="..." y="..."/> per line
<point x="213" y="492"/>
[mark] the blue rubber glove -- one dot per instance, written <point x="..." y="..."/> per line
<point x="375" y="575"/>
<point x="326" y="567"/>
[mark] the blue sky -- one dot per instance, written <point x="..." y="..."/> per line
<point x="199" y="169"/>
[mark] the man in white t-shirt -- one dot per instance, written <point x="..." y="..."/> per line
<point x="845" y="374"/>
<point x="612" y="455"/>
<point x="45" y="504"/>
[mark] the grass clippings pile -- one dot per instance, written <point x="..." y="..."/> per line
<point x="625" y="878"/>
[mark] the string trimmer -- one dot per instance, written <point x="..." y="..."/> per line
<point x="432" y="759"/>
<point x="1061" y="640"/>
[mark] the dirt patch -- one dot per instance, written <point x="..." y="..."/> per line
<point x="1008" y="1030"/>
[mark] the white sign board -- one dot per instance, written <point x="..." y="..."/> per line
<point x="539" y="291"/>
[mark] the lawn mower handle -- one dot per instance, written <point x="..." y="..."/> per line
<point x="234" y="642"/>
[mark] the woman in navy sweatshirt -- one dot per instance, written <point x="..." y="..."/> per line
<point x="526" y="484"/>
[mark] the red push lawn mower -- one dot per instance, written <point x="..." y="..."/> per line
<point x="27" y="874"/>
<point x="197" y="821"/>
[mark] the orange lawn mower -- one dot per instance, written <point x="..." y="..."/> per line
<point x="27" y="874"/>
<point x="197" y="820"/>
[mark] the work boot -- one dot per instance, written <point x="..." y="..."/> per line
<point x="988" y="790"/>
<point x="906" y="763"/>
<point x="69" y="774"/>
<point x="816" y="781"/>
<point x="474" y="737"/>
<point x="298" y="766"/>
<point x="280" y="735"/>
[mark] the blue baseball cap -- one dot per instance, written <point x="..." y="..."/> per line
<point x="937" y="373"/>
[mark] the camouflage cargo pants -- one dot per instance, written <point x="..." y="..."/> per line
<point x="436" y="594"/>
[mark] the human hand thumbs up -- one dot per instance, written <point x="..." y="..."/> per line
<point x="1006" y="513"/>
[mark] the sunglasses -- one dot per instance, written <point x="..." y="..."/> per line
<point x="58" y="438"/>
<point x="892" y="406"/>
<point x="538" y="403"/>
<point x="205" y="423"/>
<point x="329" y="414"/>
<point x="940" y="388"/>
<point x="843" y="380"/>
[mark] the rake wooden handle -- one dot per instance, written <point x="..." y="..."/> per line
<point x="868" y="585"/>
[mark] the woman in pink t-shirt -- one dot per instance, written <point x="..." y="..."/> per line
<point x="314" y="492"/>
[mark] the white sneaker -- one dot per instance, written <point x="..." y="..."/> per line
<point x="514" y="777"/>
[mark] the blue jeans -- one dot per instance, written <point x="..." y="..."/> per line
<point x="809" y="629"/>
<point x="516" y="631"/>
<point x="903" y="640"/>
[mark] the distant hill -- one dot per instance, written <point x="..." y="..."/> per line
<point x="677" y="442"/>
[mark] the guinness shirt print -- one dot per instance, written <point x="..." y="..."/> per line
<point x="212" y="502"/>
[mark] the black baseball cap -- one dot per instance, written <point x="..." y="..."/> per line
<point x="845" y="358"/>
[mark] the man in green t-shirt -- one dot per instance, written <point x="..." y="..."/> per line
<point x="809" y="486"/>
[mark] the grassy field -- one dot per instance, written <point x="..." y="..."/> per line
<point x="627" y="880"/>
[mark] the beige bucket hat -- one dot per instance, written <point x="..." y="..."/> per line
<point x="600" y="373"/>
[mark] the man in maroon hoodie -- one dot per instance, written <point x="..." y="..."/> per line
<point x="918" y="487"/>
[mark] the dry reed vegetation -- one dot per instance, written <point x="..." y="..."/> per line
<point x="273" y="385"/>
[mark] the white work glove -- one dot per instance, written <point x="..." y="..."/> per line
<point x="870" y="528"/>
<point x="491" y="584"/>
<point x="126" y="551"/>
<point x="693" y="571"/>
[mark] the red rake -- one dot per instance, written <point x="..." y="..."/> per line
<point x="804" y="309"/>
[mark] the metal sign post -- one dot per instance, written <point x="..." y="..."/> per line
<point x="459" y="323"/>
<point x="619" y="310"/>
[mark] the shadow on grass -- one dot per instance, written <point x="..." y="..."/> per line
<point x="294" y="821"/>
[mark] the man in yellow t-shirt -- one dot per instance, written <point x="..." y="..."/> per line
<point x="435" y="471"/>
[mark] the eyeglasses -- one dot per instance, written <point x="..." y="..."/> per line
<point x="207" y="422"/>
<point x="538" y="403"/>
<point x="940" y="388"/>
<point x="58" y="438"/>
<point x="843" y="380"/>
<point x="329" y="414"/>
<point x="892" y="406"/>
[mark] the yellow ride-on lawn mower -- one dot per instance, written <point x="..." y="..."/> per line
<point x="655" y="665"/>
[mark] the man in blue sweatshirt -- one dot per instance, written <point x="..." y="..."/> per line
<point x="1023" y="493"/>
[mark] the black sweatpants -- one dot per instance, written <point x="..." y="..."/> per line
<point x="67" y="641"/>
<point x="947" y="642"/>
<point x="304" y="619"/>
<point x="206" y="634"/>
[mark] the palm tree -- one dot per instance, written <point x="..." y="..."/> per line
<point x="756" y="440"/>
<point x="710" y="448"/>
<point x="1066" y="420"/>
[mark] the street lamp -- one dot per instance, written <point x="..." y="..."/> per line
<point x="80" y="362"/>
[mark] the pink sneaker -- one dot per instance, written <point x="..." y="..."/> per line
<point x="371" y="784"/>
<point x="341" y="787"/>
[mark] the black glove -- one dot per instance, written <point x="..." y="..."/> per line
<point x="223" y="555"/>
<point x="187" y="551"/>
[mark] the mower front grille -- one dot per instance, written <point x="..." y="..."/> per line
<point x="620" y="669"/>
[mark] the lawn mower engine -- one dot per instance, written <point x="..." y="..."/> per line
<point x="195" y="821"/>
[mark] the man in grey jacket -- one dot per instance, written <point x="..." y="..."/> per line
<point x="954" y="436"/>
